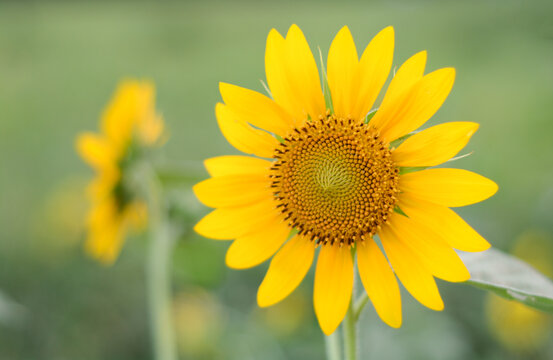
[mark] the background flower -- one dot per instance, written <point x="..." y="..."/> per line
<point x="129" y="126"/>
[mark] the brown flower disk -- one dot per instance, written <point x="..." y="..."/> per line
<point x="334" y="180"/>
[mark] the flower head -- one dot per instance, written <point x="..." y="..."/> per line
<point x="329" y="176"/>
<point x="129" y="125"/>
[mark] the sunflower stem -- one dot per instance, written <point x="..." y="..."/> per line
<point x="332" y="345"/>
<point x="159" y="288"/>
<point x="350" y="334"/>
<point x="359" y="305"/>
<point x="161" y="238"/>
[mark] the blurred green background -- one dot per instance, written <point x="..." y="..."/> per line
<point x="59" y="65"/>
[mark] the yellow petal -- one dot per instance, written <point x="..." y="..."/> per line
<point x="105" y="246"/>
<point x="253" y="249"/>
<point x="236" y="164"/>
<point x="448" y="187"/>
<point x="304" y="73"/>
<point x="373" y="70"/>
<point x="256" y="109"/>
<point x="231" y="223"/>
<point x="278" y="76"/>
<point x="124" y="111"/>
<point x="419" y="104"/>
<point x="104" y="183"/>
<point x="406" y="77"/>
<point x="233" y="190"/>
<point x="445" y="222"/>
<point x="292" y="75"/>
<point x="434" y="145"/>
<point x="380" y="282"/>
<point x="101" y="213"/>
<point x="96" y="151"/>
<point x="149" y="124"/>
<point x="242" y="136"/>
<point x="106" y="233"/>
<point x="437" y="256"/>
<point x="341" y="70"/>
<point x="333" y="286"/>
<point x="150" y="128"/>
<point x="411" y="271"/>
<point x="286" y="271"/>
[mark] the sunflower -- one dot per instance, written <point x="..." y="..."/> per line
<point x="129" y="126"/>
<point x="339" y="178"/>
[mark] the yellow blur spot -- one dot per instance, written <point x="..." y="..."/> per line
<point x="199" y="321"/>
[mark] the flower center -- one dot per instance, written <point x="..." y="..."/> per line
<point x="335" y="180"/>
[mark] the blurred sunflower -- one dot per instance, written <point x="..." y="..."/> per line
<point x="129" y="126"/>
<point x="333" y="179"/>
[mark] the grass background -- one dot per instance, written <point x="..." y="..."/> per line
<point x="59" y="64"/>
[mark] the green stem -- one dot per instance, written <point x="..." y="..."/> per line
<point x="359" y="305"/>
<point x="159" y="289"/>
<point x="350" y="334"/>
<point x="332" y="343"/>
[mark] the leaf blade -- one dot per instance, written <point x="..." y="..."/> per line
<point x="510" y="278"/>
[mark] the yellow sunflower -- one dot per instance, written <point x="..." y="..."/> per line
<point x="331" y="179"/>
<point x="129" y="125"/>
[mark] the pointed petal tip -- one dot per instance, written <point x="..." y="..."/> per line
<point x="423" y="55"/>
<point x="344" y="31"/>
<point x="263" y="300"/>
<point x="494" y="186"/>
<point x="198" y="228"/>
<point x="293" y="28"/>
<point x="437" y="305"/>
<point x="203" y="229"/>
<point x="223" y="85"/>
<point x="388" y="30"/>
<point x="447" y="73"/>
<point x="229" y="262"/>
<point x="386" y="36"/>
<point x="472" y="127"/>
<point x="394" y="322"/>
<point x="196" y="189"/>
<point x="462" y="276"/>
<point x="273" y="33"/>
<point x="485" y="246"/>
<point x="327" y="328"/>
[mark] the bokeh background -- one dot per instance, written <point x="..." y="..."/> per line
<point x="60" y="63"/>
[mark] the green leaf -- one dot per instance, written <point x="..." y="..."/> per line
<point x="510" y="278"/>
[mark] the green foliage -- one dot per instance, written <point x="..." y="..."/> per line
<point x="510" y="278"/>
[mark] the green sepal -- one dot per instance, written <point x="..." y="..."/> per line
<point x="410" y="169"/>
<point x="370" y="115"/>
<point x="326" y="88"/>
